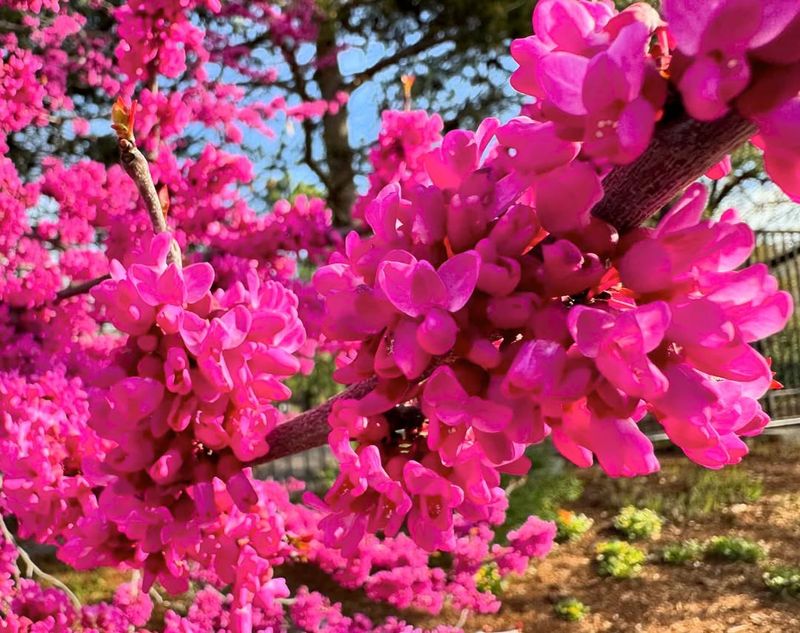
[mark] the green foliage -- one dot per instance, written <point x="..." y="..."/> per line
<point x="550" y="485"/>
<point x="488" y="578"/>
<point x="733" y="549"/>
<point x="714" y="490"/>
<point x="571" y="609"/>
<point x="317" y="387"/>
<point x="285" y="188"/>
<point x="571" y="526"/>
<point x="783" y="580"/>
<point x="638" y="524"/>
<point x="619" y="559"/>
<point x="682" y="552"/>
<point x="688" y="493"/>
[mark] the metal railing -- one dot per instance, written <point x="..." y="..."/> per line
<point x="780" y="251"/>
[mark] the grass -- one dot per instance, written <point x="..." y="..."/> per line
<point x="733" y="549"/>
<point x="570" y="526"/>
<point x="783" y="581"/>
<point x="683" y="552"/>
<point x="688" y="493"/>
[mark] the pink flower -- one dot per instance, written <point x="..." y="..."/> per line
<point x="430" y="521"/>
<point x="717" y="38"/>
<point x="534" y="538"/>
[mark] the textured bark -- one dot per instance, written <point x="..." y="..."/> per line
<point x="338" y="153"/>
<point x="309" y="429"/>
<point x="682" y="150"/>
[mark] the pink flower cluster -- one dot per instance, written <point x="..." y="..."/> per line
<point x="190" y="399"/>
<point x="592" y="74"/>
<point x="405" y="139"/>
<point x="156" y="38"/>
<point x="492" y="324"/>
<point x="393" y="570"/>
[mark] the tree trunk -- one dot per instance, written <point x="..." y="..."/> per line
<point x="339" y="155"/>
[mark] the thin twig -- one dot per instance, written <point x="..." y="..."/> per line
<point x="135" y="165"/>
<point x="79" y="289"/>
<point x="32" y="568"/>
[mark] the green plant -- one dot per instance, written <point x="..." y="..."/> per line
<point x="713" y="490"/>
<point x="488" y="578"/>
<point x="571" y="526"/>
<point x="638" y="523"/>
<point x="542" y="493"/>
<point x="619" y="559"/>
<point x="733" y="549"/>
<point x="571" y="609"/>
<point x="682" y="552"/>
<point x="783" y="580"/>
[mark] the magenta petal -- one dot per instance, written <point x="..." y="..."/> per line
<point x="563" y="23"/>
<point x="653" y="319"/>
<point x="559" y="213"/>
<point x="437" y="333"/>
<point x="578" y="455"/>
<point x="198" y="279"/>
<point x="236" y="325"/>
<point x="145" y="280"/>
<point x="561" y="76"/>
<point x="687" y="22"/>
<point x="686" y="212"/>
<point x="242" y="491"/>
<point x="635" y="129"/>
<point x="459" y="274"/>
<point x="171" y="287"/>
<point x="733" y="25"/>
<point x="487" y="415"/>
<point x="159" y="249"/>
<point x="409" y="357"/>
<point x="588" y="326"/>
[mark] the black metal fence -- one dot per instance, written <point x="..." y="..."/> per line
<point x="780" y="250"/>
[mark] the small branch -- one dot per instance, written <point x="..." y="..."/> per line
<point x="430" y="40"/>
<point x="309" y="429"/>
<point x="32" y="568"/>
<point x="682" y="150"/>
<point x="79" y="289"/>
<point x="135" y="165"/>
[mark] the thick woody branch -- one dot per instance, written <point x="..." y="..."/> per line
<point x="309" y="429"/>
<point x="682" y="150"/>
<point x="135" y="165"/>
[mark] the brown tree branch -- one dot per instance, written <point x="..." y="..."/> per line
<point x="682" y="150"/>
<point x="79" y="289"/>
<point x="135" y="165"/>
<point x="429" y="41"/>
<point x="310" y="428"/>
